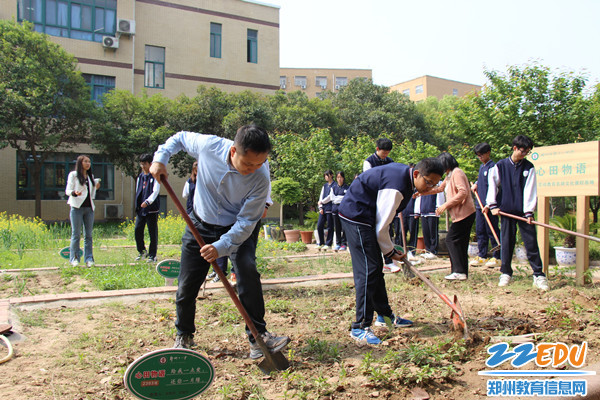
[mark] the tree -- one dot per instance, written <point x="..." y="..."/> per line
<point x="45" y="104"/>
<point x="550" y="108"/>
<point x="131" y="126"/>
<point x="365" y="108"/>
<point x="286" y="191"/>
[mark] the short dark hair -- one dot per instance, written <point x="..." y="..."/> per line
<point x="430" y="165"/>
<point x="341" y="173"/>
<point x="328" y="172"/>
<point x="482" y="148"/>
<point x="522" y="142"/>
<point x="147" y="157"/>
<point x="448" y="161"/>
<point x="253" y="138"/>
<point x="384" y="144"/>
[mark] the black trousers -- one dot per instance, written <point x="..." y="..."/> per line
<point x="485" y="235"/>
<point x="141" y="221"/>
<point x="430" y="233"/>
<point x="325" y="218"/>
<point x="193" y="272"/>
<point x="340" y="236"/>
<point x="457" y="241"/>
<point x="509" y="239"/>
<point x="367" y="268"/>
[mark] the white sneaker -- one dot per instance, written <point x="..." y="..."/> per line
<point x="325" y="248"/>
<point x="504" y="280"/>
<point x="477" y="261"/>
<point x="455" y="276"/>
<point x="391" y="268"/>
<point x="74" y="263"/>
<point x="541" y="282"/>
<point x="429" y="256"/>
<point x="90" y="263"/>
<point x="493" y="262"/>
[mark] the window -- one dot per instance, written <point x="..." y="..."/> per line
<point x="76" y="19"/>
<point x="300" y="81"/>
<point x="282" y="81"/>
<point x="341" y="81"/>
<point x="54" y="176"/>
<point x="215" y="40"/>
<point x="406" y="92"/>
<point x="99" y="85"/>
<point x="154" y="68"/>
<point x="419" y="89"/>
<point x="454" y="92"/>
<point x="321" y="81"/>
<point x="252" y="46"/>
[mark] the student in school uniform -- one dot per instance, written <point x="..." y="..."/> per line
<point x="430" y="223"/>
<point x="482" y="228"/>
<point x="367" y="210"/>
<point x="338" y="190"/>
<point x="517" y="177"/>
<point x="325" y="213"/>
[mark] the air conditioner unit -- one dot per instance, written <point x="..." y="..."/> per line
<point x="337" y="87"/>
<point x="110" y="42"/>
<point x="113" y="211"/>
<point x="283" y="86"/>
<point x="126" y="26"/>
<point x="323" y="86"/>
<point x="303" y="86"/>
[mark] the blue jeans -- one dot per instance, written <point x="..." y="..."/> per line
<point x="79" y="216"/>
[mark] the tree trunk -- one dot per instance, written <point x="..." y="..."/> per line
<point x="37" y="182"/>
<point x="281" y="215"/>
<point x="300" y="213"/>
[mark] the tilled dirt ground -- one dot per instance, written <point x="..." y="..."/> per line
<point x="81" y="352"/>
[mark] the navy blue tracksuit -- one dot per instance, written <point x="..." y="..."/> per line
<point x="482" y="228"/>
<point x="518" y="197"/>
<point x="366" y="212"/>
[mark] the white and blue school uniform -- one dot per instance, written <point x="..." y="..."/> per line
<point x="326" y="217"/>
<point x="374" y="161"/>
<point x="430" y="221"/>
<point x="410" y="219"/>
<point x="482" y="228"/>
<point x="518" y="197"/>
<point x="366" y="211"/>
<point x="337" y="195"/>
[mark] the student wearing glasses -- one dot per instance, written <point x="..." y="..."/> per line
<point x="366" y="211"/>
<point x="459" y="204"/>
<point x="516" y="175"/>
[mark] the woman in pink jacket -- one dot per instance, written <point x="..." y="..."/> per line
<point x="459" y="204"/>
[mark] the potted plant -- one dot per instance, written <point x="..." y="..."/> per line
<point x="310" y="224"/>
<point x="565" y="254"/>
<point x="286" y="191"/>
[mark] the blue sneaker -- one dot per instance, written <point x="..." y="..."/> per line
<point x="397" y="321"/>
<point x="364" y="336"/>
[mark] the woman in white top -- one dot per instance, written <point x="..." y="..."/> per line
<point x="81" y="189"/>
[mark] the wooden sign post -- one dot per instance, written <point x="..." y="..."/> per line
<point x="561" y="171"/>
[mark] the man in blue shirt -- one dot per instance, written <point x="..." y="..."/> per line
<point x="233" y="184"/>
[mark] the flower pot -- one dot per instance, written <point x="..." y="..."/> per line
<point x="473" y="250"/>
<point x="306" y="236"/>
<point x="291" y="235"/>
<point x="521" y="253"/>
<point x="420" y="243"/>
<point x="276" y="233"/>
<point x="565" y="256"/>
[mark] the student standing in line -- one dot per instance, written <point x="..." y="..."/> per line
<point x="430" y="222"/>
<point x="325" y="213"/>
<point x="81" y="189"/>
<point x="517" y="177"/>
<point x="482" y="228"/>
<point x="459" y="203"/>
<point x="338" y="191"/>
<point x="367" y="210"/>
<point x="147" y="207"/>
<point x="233" y="188"/>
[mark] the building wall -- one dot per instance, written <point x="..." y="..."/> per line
<point x="311" y="74"/>
<point x="433" y="86"/>
<point x="183" y="28"/>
